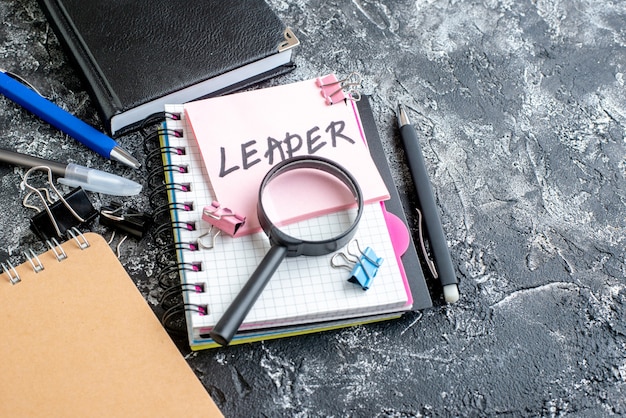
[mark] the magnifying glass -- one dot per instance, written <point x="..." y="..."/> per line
<point x="307" y="205"/>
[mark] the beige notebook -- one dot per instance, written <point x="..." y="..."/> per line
<point x="79" y="340"/>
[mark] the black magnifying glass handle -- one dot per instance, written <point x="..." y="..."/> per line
<point x="229" y="323"/>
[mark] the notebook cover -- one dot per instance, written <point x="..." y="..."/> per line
<point x="410" y="259"/>
<point x="79" y="340"/>
<point x="131" y="53"/>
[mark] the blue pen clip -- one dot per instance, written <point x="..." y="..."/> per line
<point x="363" y="265"/>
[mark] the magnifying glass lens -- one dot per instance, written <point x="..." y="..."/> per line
<point x="309" y="204"/>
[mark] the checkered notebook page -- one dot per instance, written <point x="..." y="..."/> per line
<point x="303" y="289"/>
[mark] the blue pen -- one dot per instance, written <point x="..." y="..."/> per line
<point x="64" y="121"/>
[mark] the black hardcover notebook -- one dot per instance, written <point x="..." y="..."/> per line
<point x="410" y="259"/>
<point x="138" y="55"/>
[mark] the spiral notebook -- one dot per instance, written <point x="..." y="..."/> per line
<point x="79" y="340"/>
<point x="306" y="294"/>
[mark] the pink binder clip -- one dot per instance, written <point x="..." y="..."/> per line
<point x="223" y="218"/>
<point x="334" y="90"/>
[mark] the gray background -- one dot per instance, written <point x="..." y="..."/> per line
<point x="521" y="112"/>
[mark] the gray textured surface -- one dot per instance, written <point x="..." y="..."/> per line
<point x="520" y="105"/>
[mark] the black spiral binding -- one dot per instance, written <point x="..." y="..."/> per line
<point x="169" y="277"/>
<point x="164" y="228"/>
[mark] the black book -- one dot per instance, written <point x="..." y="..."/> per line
<point x="137" y="56"/>
<point x="410" y="259"/>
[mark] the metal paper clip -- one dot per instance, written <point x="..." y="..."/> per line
<point x="118" y="247"/>
<point x="420" y="230"/>
<point x="363" y="266"/>
<point x="57" y="217"/>
<point x="22" y="80"/>
<point x="128" y="220"/>
<point x="335" y="90"/>
<point x="221" y="218"/>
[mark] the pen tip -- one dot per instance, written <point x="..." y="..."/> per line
<point x="403" y="118"/>
<point x="123" y="156"/>
<point x="135" y="189"/>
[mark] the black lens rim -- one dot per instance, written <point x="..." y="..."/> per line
<point x="296" y="246"/>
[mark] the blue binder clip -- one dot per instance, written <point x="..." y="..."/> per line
<point x="363" y="265"/>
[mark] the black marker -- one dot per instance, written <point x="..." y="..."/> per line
<point x="443" y="262"/>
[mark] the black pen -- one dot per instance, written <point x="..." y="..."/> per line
<point x="429" y="212"/>
<point x="75" y="175"/>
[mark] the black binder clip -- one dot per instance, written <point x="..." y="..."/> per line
<point x="57" y="216"/>
<point x="221" y="218"/>
<point x="130" y="221"/>
<point x="363" y="265"/>
<point x="334" y="90"/>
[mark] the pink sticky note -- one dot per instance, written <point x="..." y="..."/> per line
<point x="300" y="194"/>
<point x="241" y="136"/>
